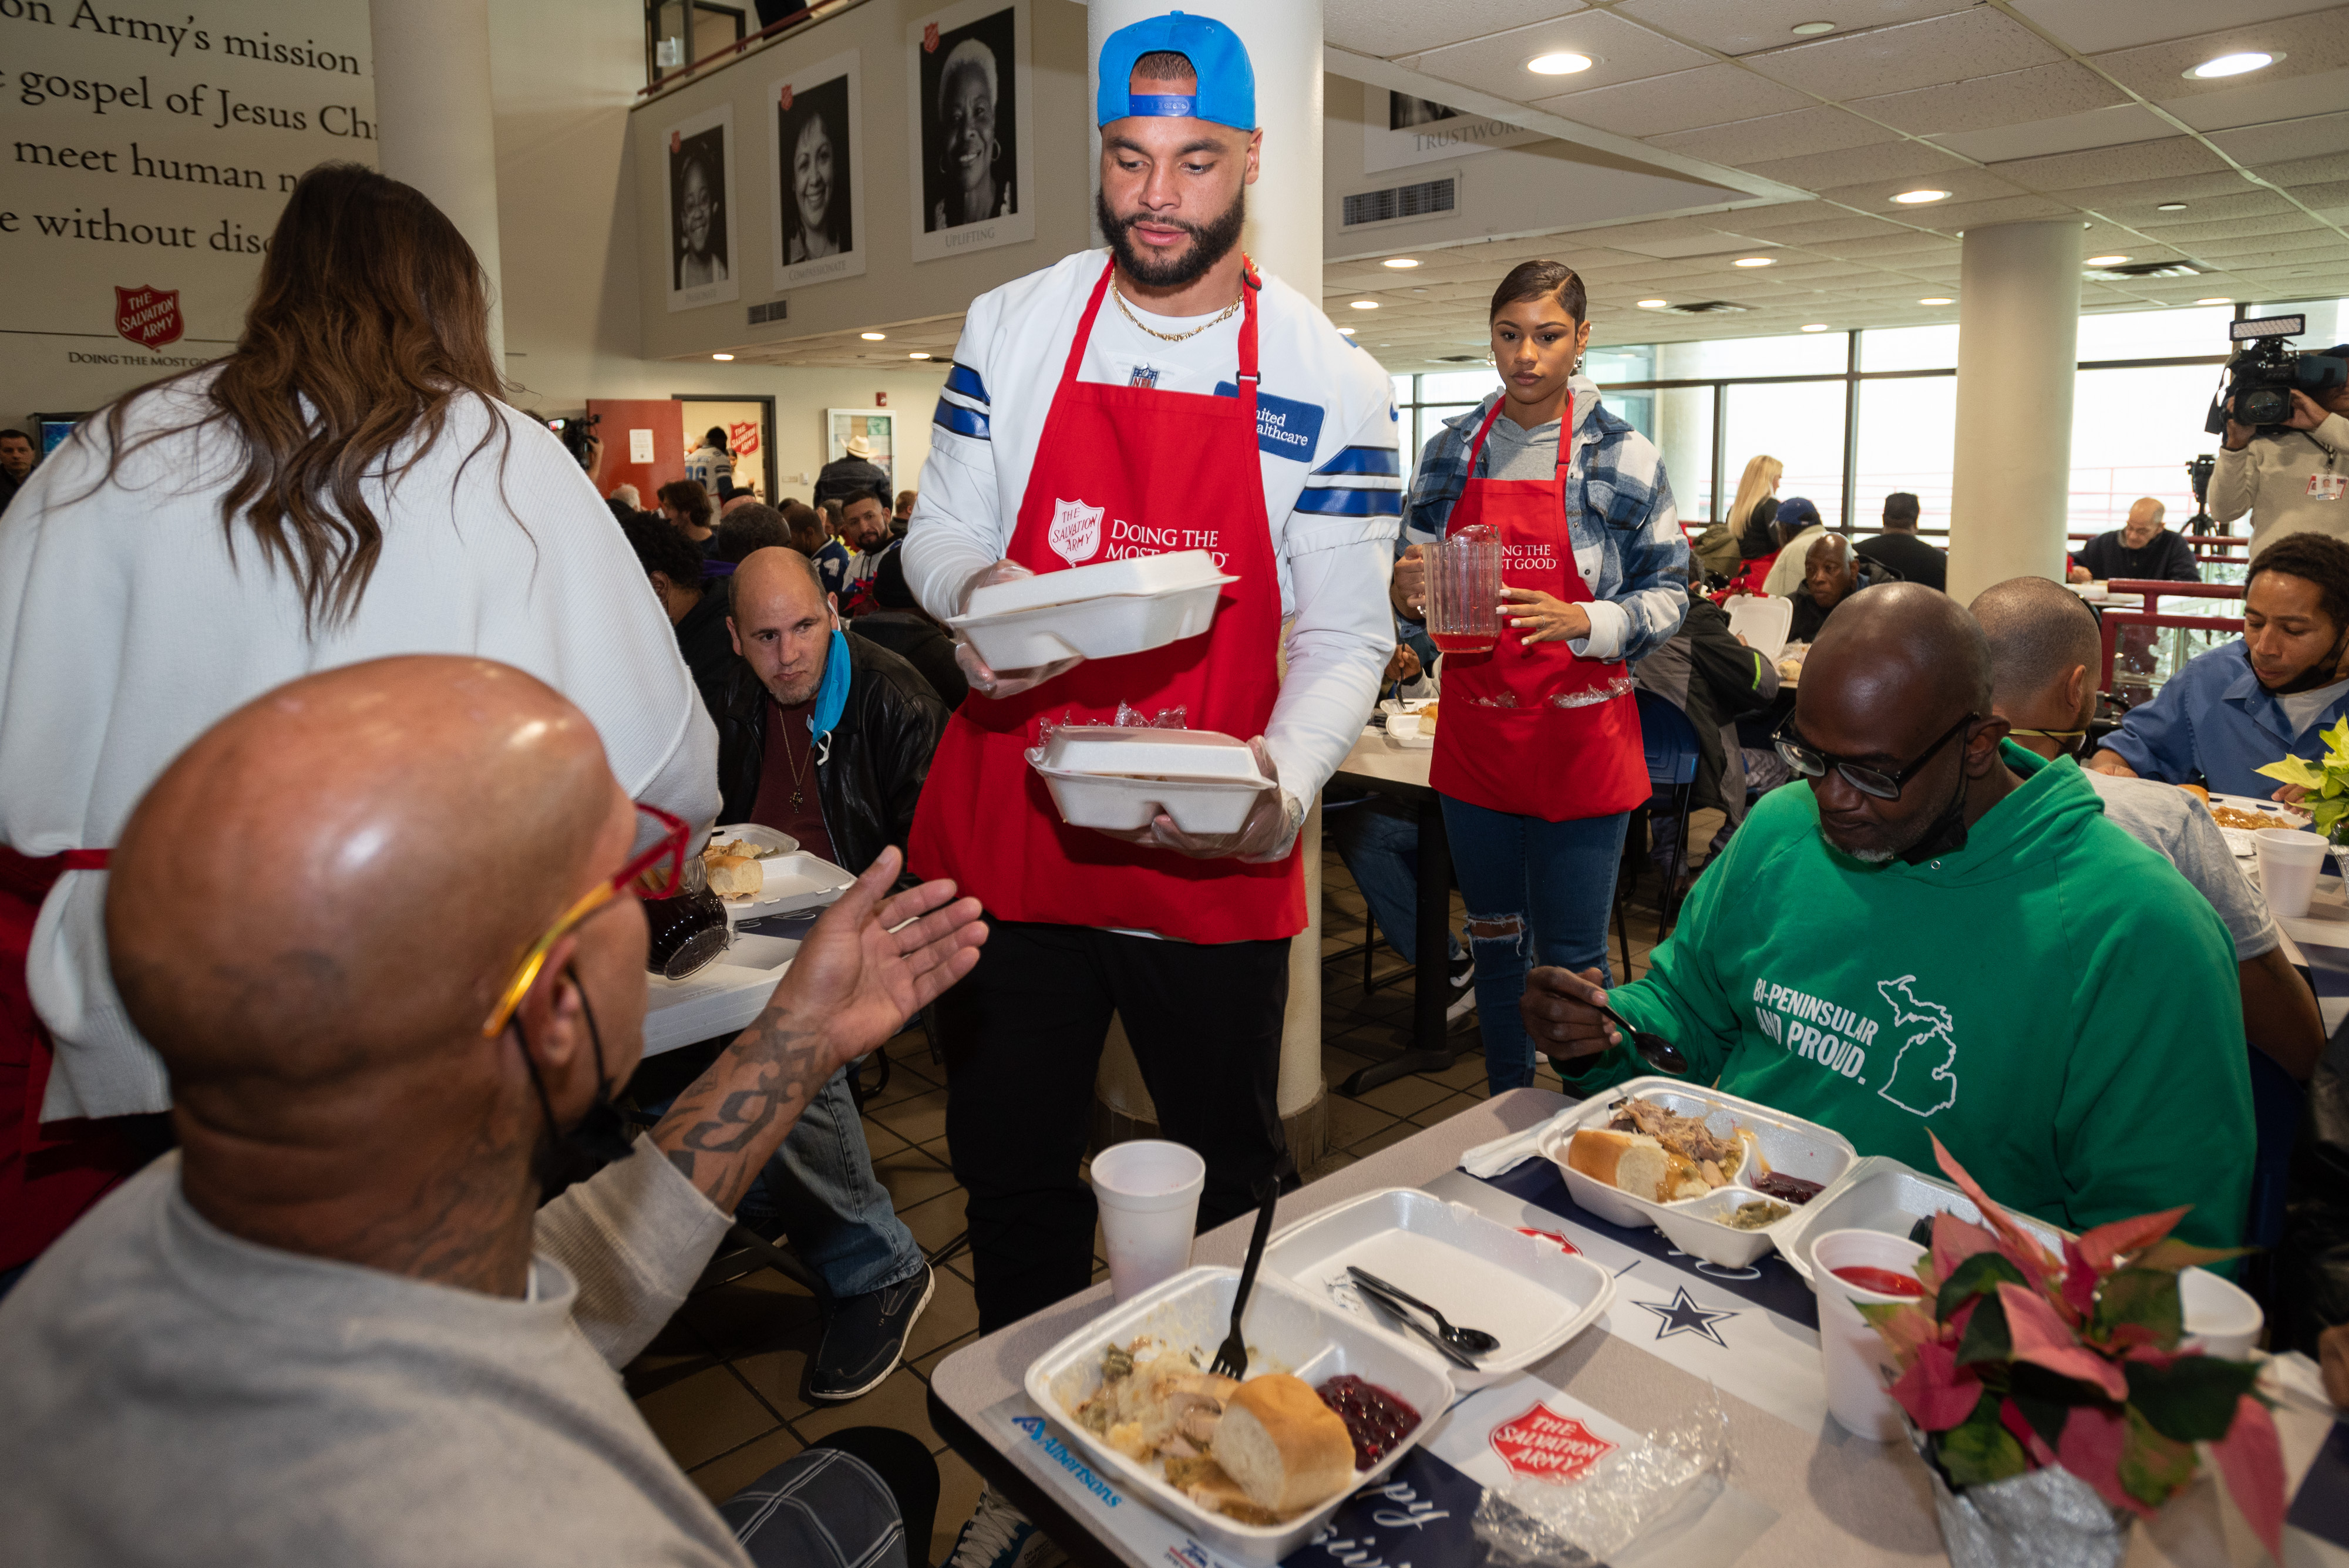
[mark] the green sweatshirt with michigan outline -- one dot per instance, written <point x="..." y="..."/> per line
<point x="2053" y="1001"/>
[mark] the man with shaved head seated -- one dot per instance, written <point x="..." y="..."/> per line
<point x="1971" y="952"/>
<point x="381" y="925"/>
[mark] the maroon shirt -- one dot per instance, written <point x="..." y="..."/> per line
<point x="789" y="766"/>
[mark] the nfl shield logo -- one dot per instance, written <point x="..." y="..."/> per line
<point x="1075" y="533"/>
<point x="147" y="317"/>
<point x="1143" y="376"/>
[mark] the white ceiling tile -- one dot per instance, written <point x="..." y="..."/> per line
<point x="1620" y="51"/>
<point x="1830" y="233"/>
<point x="1681" y="101"/>
<point x="1806" y="130"/>
<point x="2248" y="241"/>
<point x="2303" y="172"/>
<point x="2143" y="196"/>
<point x="2111" y="126"/>
<point x="1890" y="162"/>
<point x="2309" y="44"/>
<point x="2291" y="140"/>
<point x="1979" y="42"/>
<point x="1750" y="25"/>
<point x="1956" y="216"/>
<point x="2092" y="27"/>
<point x="2331" y="193"/>
<point x="2259" y="101"/>
<point x="1987" y="102"/>
<point x="1389" y="27"/>
<point x="2166" y="159"/>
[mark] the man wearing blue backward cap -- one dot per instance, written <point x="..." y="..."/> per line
<point x="1156" y="397"/>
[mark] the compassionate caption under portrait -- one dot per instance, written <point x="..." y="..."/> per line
<point x="969" y="86"/>
<point x="820" y="187"/>
<point x="700" y="211"/>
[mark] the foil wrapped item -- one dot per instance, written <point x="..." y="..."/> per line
<point x="2048" y="1518"/>
<point x="1582" y="1522"/>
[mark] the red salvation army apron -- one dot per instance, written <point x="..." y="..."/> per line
<point x="1120" y="471"/>
<point x="1574" y="720"/>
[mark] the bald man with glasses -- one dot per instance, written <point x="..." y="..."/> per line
<point x="1943" y="936"/>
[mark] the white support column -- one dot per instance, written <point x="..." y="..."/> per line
<point x="434" y="126"/>
<point x="1284" y="238"/>
<point x="2018" y="351"/>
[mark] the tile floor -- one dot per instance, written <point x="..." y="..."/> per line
<point x="722" y="1385"/>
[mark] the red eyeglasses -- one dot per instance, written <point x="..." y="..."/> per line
<point x="655" y="873"/>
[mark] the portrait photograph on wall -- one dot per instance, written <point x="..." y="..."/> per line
<point x="701" y="265"/>
<point x="968" y="96"/>
<point x="819" y="203"/>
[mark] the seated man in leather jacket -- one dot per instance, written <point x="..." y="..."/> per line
<point x="828" y="737"/>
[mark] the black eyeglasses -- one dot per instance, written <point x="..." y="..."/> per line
<point x="1812" y="762"/>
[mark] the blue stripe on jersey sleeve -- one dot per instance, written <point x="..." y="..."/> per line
<point x="1384" y="460"/>
<point x="1334" y="503"/>
<point x="964" y="380"/>
<point x="961" y="421"/>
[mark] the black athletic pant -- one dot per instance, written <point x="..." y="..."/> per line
<point x="1022" y="1036"/>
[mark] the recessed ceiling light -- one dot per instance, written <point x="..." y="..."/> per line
<point x="1653" y="303"/>
<point x="1812" y="29"/>
<point x="721" y="355"/>
<point x="917" y="356"/>
<point x="1401" y="264"/>
<point x="1937" y="299"/>
<point x="1363" y="304"/>
<point x="2215" y="299"/>
<point x="1918" y="198"/>
<point x="1345" y="332"/>
<point x="874" y="337"/>
<point x="2171" y="207"/>
<point x="2106" y="261"/>
<point x="2233" y="65"/>
<point x="1815" y="327"/>
<point x="1566" y="65"/>
<point x="1753" y="261"/>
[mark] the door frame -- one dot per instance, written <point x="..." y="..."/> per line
<point x="767" y="422"/>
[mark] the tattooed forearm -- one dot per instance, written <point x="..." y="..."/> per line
<point x="724" y="1127"/>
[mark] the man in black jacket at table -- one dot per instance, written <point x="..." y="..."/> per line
<point x="1909" y="558"/>
<point x="2141" y="549"/>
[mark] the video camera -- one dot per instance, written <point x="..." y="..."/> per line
<point x="577" y="433"/>
<point x="2262" y="378"/>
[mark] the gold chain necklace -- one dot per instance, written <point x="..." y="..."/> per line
<point x="1119" y="295"/>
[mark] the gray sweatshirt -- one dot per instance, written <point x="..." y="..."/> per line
<point x="171" y="1394"/>
<point x="2269" y="479"/>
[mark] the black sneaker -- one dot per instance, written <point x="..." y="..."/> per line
<point x="864" y="1338"/>
<point x="1463" y="989"/>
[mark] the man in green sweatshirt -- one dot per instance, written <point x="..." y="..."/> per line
<point x="1979" y="955"/>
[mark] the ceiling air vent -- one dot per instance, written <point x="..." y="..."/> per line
<point x="2143" y="269"/>
<point x="1705" y="307"/>
<point x="1460" y="359"/>
<point x="1397" y="203"/>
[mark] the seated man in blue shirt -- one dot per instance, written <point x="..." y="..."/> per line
<point x="2249" y="702"/>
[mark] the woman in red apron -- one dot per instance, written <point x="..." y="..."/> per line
<point x="1537" y="754"/>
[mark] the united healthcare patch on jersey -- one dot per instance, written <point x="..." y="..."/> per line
<point x="1283" y="428"/>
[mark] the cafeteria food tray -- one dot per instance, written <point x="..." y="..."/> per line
<point x="1287" y="1331"/>
<point x="1100" y="611"/>
<point x="1882" y="1194"/>
<point x="1529" y="1293"/>
<point x="1790" y="1144"/>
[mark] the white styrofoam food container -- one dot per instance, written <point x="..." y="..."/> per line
<point x="1103" y="776"/>
<point x="1287" y="1331"/>
<point x="1789" y="1143"/>
<point x="1525" y="1291"/>
<point x="794" y="882"/>
<point x="1882" y="1194"/>
<point x="1100" y="611"/>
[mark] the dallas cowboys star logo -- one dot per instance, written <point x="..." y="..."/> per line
<point x="1682" y="1315"/>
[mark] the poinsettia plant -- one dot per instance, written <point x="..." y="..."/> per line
<point x="2325" y="778"/>
<point x="2015" y="1358"/>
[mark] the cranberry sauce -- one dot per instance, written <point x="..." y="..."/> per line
<point x="1374" y="1418"/>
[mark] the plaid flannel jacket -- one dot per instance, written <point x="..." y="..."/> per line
<point x="1619" y="508"/>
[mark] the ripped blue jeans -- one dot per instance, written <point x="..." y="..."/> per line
<point x="1537" y="892"/>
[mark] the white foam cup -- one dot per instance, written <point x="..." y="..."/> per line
<point x="2221" y="1319"/>
<point x="1852" y="1355"/>
<point x="1403" y="726"/>
<point x="1149" y="1192"/>
<point x="2289" y="859"/>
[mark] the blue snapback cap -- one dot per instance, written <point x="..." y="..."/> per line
<point x="1225" y="93"/>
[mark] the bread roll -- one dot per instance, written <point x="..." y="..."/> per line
<point x="735" y="876"/>
<point x="2198" y="791"/>
<point x="1427" y="719"/>
<point x="1634" y="1163"/>
<point x="1284" y="1447"/>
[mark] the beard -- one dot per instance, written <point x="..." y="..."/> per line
<point x="1210" y="243"/>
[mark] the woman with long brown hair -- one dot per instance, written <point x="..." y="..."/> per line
<point x="346" y="485"/>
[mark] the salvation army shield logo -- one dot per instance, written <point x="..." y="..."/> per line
<point x="783" y="98"/>
<point x="1548" y="1446"/>
<point x="1075" y="533"/>
<point x="147" y="317"/>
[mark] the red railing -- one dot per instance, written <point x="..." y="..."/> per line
<point x="2113" y="617"/>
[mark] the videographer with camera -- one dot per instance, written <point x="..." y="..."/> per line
<point x="2286" y="420"/>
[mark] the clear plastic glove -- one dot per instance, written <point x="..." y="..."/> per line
<point x="1268" y="833"/>
<point x="984" y="678"/>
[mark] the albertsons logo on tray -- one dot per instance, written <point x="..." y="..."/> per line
<point x="1059" y="1453"/>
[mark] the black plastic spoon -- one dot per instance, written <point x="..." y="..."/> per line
<point x="1660" y="1053"/>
